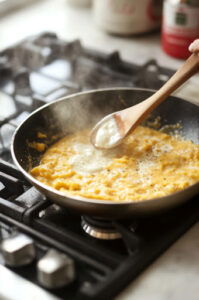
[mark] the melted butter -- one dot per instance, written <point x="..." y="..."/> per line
<point x="88" y="159"/>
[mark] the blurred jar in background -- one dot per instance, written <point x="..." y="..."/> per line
<point x="126" y="17"/>
<point x="180" y="26"/>
<point x="81" y="3"/>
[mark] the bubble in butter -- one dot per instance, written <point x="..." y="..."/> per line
<point x="108" y="134"/>
<point x="88" y="159"/>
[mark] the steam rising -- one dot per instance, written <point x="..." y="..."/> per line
<point x="77" y="113"/>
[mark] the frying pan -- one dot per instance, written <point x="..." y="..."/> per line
<point x="83" y="110"/>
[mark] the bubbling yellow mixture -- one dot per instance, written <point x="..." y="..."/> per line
<point x="148" y="164"/>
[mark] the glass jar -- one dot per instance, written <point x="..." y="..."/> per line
<point x="180" y="26"/>
<point x="126" y="17"/>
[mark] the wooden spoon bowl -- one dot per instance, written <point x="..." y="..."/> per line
<point x="128" y="119"/>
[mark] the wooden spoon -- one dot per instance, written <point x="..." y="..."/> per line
<point x="112" y="129"/>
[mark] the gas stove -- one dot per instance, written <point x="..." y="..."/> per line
<point x="47" y="250"/>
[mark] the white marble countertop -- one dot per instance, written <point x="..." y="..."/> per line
<point x="175" y="275"/>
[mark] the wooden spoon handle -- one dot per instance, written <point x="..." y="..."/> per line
<point x="129" y="118"/>
<point x="189" y="68"/>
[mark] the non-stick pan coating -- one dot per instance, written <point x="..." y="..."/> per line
<point x="83" y="110"/>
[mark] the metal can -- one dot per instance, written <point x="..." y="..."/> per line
<point x="126" y="17"/>
<point x="180" y="26"/>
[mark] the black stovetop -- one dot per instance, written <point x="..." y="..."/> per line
<point x="41" y="69"/>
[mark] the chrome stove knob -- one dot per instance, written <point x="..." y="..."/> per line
<point x="18" y="250"/>
<point x="55" y="270"/>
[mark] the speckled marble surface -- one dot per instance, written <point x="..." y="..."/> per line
<point x="175" y="275"/>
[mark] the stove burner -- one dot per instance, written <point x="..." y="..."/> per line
<point x="99" y="228"/>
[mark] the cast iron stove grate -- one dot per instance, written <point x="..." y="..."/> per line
<point x="41" y="69"/>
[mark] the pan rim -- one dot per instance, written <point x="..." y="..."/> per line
<point x="79" y="198"/>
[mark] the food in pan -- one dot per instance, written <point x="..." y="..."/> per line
<point x="148" y="164"/>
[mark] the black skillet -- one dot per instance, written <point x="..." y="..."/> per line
<point x="83" y="110"/>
